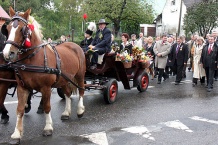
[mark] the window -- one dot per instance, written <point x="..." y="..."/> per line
<point x="173" y="2"/>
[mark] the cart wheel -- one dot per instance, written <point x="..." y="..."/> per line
<point x="60" y="93"/>
<point x="110" y="92"/>
<point x="143" y="81"/>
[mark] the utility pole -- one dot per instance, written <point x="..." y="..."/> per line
<point x="180" y="15"/>
<point x="14" y="5"/>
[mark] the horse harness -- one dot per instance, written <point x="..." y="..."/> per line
<point x="16" y="65"/>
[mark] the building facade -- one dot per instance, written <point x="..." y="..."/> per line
<point x="170" y="21"/>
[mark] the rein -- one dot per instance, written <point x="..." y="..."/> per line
<point x="32" y="68"/>
<point x="41" y="69"/>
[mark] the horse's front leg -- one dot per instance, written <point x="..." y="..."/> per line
<point x="46" y="95"/>
<point x="22" y="95"/>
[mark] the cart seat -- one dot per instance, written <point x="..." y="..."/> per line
<point x="101" y="57"/>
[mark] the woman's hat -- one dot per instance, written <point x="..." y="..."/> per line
<point x="102" y="21"/>
<point x="89" y="32"/>
<point x="91" y="28"/>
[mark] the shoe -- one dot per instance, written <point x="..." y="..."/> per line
<point x="216" y="79"/>
<point x="206" y="86"/>
<point x="159" y="82"/>
<point x="189" y="69"/>
<point x="194" y="84"/>
<point x="209" y="90"/>
<point x="176" y="83"/>
<point x="94" y="66"/>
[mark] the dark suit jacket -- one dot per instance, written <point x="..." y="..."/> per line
<point x="103" y="42"/>
<point x="209" y="60"/>
<point x="129" y="47"/>
<point x="182" y="55"/>
<point x="86" y="42"/>
<point x="216" y="41"/>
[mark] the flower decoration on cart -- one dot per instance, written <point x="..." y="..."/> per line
<point x="144" y="59"/>
<point x="137" y="52"/>
<point x="125" y="58"/>
<point x="141" y="56"/>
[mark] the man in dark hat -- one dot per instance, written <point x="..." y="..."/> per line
<point x="87" y="41"/>
<point x="101" y="43"/>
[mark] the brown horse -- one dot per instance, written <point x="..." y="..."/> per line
<point x="7" y="80"/>
<point x="42" y="67"/>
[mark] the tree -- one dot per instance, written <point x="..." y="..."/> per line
<point x="124" y="13"/>
<point x="201" y="18"/>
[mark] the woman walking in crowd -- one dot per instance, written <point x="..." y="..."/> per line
<point x="125" y="45"/>
<point x="199" y="72"/>
<point x="149" y="48"/>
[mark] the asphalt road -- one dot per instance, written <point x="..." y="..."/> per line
<point x="166" y="114"/>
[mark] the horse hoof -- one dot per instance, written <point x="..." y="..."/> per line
<point x="27" y="109"/>
<point x="47" y="132"/>
<point x="4" y="119"/>
<point x="40" y="111"/>
<point x="64" y="117"/>
<point x="15" y="141"/>
<point x="79" y="115"/>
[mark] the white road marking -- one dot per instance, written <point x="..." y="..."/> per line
<point x="177" y="124"/>
<point x="151" y="86"/>
<point x="141" y="130"/>
<point x="99" y="138"/>
<point x="11" y="102"/>
<point x="203" y="119"/>
<point x="184" y="82"/>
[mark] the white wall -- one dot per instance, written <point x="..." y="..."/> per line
<point x="170" y="17"/>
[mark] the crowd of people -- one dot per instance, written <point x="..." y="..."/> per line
<point x="169" y="53"/>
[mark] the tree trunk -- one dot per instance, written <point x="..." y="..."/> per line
<point x="116" y="27"/>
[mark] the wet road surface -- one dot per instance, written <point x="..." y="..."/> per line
<point x="164" y="114"/>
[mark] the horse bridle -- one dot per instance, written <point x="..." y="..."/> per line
<point x="41" y="69"/>
<point x="25" y="32"/>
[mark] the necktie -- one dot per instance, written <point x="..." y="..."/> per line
<point x="210" y="49"/>
<point x="177" y="49"/>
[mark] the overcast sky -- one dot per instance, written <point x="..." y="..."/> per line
<point x="157" y="5"/>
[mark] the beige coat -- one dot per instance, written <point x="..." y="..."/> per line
<point x="199" y="71"/>
<point x="164" y="50"/>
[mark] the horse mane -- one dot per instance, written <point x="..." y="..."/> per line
<point x="37" y="27"/>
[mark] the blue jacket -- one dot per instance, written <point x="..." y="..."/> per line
<point x="103" y="39"/>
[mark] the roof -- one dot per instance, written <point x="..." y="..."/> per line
<point x="190" y="3"/>
<point x="3" y="14"/>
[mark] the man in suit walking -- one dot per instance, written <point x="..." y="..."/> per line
<point x="178" y="58"/>
<point x="215" y="35"/>
<point x="101" y="43"/>
<point x="209" y="59"/>
<point x="161" y="50"/>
